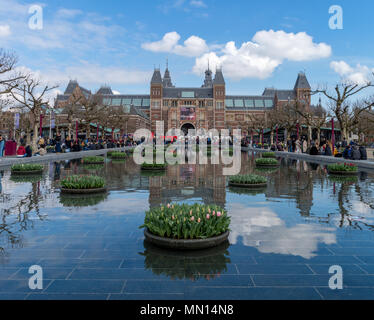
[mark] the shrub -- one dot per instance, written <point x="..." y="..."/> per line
<point x="93" y="159"/>
<point x="187" y="221"/>
<point x="26" y="167"/>
<point x="266" y="162"/>
<point x="153" y="166"/>
<point x="268" y="155"/>
<point x="342" y="167"/>
<point x="248" y="179"/>
<point x="83" y="182"/>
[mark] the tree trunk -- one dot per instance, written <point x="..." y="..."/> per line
<point x="34" y="144"/>
<point x="309" y="135"/>
<point x="318" y="135"/>
<point x="272" y="137"/>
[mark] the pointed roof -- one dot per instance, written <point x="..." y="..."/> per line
<point x="72" y="85"/>
<point x="105" y="90"/>
<point x="156" y="78"/>
<point x="302" y="82"/>
<point x="167" y="83"/>
<point x="208" y="82"/>
<point x="219" y="79"/>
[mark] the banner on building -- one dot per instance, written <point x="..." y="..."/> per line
<point x="16" y="121"/>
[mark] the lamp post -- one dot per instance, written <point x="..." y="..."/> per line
<point x="333" y="135"/>
<point x="276" y="134"/>
<point x="76" y="130"/>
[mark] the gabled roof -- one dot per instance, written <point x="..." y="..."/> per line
<point x="302" y="82"/>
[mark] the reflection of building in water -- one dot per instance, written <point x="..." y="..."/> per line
<point x="293" y="182"/>
<point x="184" y="182"/>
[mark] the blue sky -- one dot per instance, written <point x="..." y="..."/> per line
<point x="119" y="42"/>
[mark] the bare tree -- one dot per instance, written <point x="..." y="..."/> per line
<point x="341" y="107"/>
<point x="31" y="94"/>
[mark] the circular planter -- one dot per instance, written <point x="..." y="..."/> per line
<point x="343" y="173"/>
<point x="83" y="191"/>
<point x="118" y="158"/>
<point x="176" y="244"/>
<point x="253" y="186"/>
<point x="33" y="172"/>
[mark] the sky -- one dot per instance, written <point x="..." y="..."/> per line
<point x="257" y="44"/>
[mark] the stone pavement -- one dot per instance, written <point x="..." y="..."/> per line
<point x="362" y="164"/>
<point x="8" y="161"/>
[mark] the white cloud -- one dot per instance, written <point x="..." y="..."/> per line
<point x="198" y="4"/>
<point x="5" y="30"/>
<point x="68" y="13"/>
<point x="260" y="227"/>
<point x="192" y="47"/>
<point x="116" y="92"/>
<point x="360" y="74"/>
<point x="261" y="56"/>
<point x="257" y="58"/>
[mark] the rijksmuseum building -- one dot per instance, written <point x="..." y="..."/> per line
<point x="208" y="106"/>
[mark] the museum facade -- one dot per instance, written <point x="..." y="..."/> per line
<point x="208" y="106"/>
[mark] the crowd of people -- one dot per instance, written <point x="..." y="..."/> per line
<point x="69" y="144"/>
<point x="349" y="151"/>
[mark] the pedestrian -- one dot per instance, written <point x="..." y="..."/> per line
<point x="2" y="145"/>
<point x="314" y="149"/>
<point x="305" y="146"/>
<point x="328" y="149"/>
<point x="364" y="155"/>
<point x="356" y="155"/>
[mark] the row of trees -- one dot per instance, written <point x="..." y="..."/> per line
<point x="33" y="99"/>
<point x="350" y="115"/>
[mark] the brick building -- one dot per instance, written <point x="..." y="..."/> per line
<point x="208" y="106"/>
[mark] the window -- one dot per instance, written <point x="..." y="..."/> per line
<point x="116" y="102"/>
<point x="126" y="109"/>
<point x="174" y="103"/>
<point x="127" y="101"/>
<point x="239" y="103"/>
<point x="219" y="105"/>
<point x="249" y="103"/>
<point x="156" y="104"/>
<point x="202" y="116"/>
<point x="229" y="103"/>
<point x="201" y="104"/>
<point x="137" y="102"/>
<point x="146" y="102"/>
<point x="188" y="94"/>
<point x="259" y="103"/>
<point x="210" y="103"/>
<point x="165" y="103"/>
<point x="268" y="103"/>
<point x="230" y="117"/>
<point x="107" y="101"/>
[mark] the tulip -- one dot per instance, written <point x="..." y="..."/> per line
<point x="192" y="218"/>
<point x="219" y="214"/>
<point x="208" y="216"/>
<point x="199" y="220"/>
<point x="168" y="205"/>
<point x="214" y="213"/>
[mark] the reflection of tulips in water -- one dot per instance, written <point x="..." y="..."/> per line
<point x="192" y="265"/>
<point x="343" y="179"/>
<point x="93" y="167"/>
<point x="248" y="191"/>
<point x="82" y="200"/>
<point x="26" y="179"/>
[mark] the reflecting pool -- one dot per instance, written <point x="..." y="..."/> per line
<point x="283" y="239"/>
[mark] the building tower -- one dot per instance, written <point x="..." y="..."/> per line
<point x="208" y="82"/>
<point x="219" y="95"/>
<point x="302" y="89"/>
<point x="167" y="83"/>
<point x="156" y="99"/>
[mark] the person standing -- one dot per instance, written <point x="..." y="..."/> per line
<point x="305" y="146"/>
<point x="2" y="145"/>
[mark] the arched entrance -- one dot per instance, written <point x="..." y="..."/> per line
<point x="186" y="127"/>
